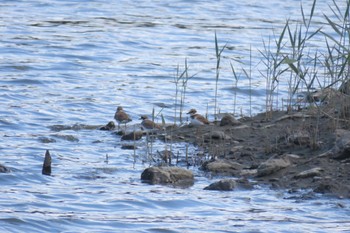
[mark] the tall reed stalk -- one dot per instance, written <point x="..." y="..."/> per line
<point x="218" y="53"/>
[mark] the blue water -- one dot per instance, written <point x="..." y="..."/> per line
<point x="71" y="63"/>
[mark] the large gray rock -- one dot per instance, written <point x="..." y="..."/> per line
<point x="273" y="165"/>
<point x="168" y="175"/>
<point x="222" y="166"/>
<point x="222" y="185"/>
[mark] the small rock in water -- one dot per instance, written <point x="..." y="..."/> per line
<point x="4" y="169"/>
<point x="129" y="147"/>
<point x="109" y="126"/>
<point x="222" y="185"/>
<point x="168" y="175"/>
<point x="135" y="135"/>
<point x="47" y="164"/>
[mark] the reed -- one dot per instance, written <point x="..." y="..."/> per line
<point x="218" y="52"/>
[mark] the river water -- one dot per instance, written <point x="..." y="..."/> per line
<point x="66" y="65"/>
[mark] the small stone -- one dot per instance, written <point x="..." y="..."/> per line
<point x="228" y="119"/>
<point x="4" y="169"/>
<point x="109" y="126"/>
<point x="136" y="135"/>
<point x="222" y="185"/>
<point x="128" y="147"/>
<point x="218" y="135"/>
<point x="309" y="173"/>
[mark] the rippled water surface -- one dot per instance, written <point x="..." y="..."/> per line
<point x="69" y="64"/>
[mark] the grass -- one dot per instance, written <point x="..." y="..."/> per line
<point x="288" y="61"/>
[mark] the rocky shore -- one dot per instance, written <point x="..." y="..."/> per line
<point x="305" y="149"/>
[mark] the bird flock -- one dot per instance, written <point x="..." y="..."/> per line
<point x="148" y="125"/>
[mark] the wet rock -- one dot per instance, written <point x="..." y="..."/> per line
<point x="168" y="175"/>
<point x="228" y="119"/>
<point x="66" y="137"/>
<point x="47" y="164"/>
<point x="133" y="136"/>
<point x="218" y="135"/>
<point x="128" y="147"/>
<point x="222" y="185"/>
<point x="222" y="166"/>
<point x="4" y="169"/>
<point x="109" y="126"/>
<point x="309" y="173"/>
<point x="46" y="140"/>
<point x="273" y="165"/>
<point x="341" y="150"/>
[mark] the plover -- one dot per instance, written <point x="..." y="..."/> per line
<point x="147" y="124"/>
<point x="121" y="117"/>
<point x="197" y="119"/>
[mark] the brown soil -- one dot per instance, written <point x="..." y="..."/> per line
<point x="308" y="133"/>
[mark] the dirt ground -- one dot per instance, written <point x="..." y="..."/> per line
<point x="306" y="137"/>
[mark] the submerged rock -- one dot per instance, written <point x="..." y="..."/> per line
<point x="222" y="185"/>
<point x="133" y="136"/>
<point x="4" y="169"/>
<point x="109" y="126"/>
<point x="168" y="175"/>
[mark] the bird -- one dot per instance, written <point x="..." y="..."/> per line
<point x="121" y="117"/>
<point x="147" y="124"/>
<point x="197" y="119"/>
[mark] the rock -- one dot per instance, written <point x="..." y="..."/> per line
<point x="222" y="185"/>
<point x="4" y="169"/>
<point x="218" y="135"/>
<point x="228" y="119"/>
<point x="166" y="156"/>
<point x="135" y="135"/>
<point x="309" y="173"/>
<point x="168" y="175"/>
<point x="301" y="138"/>
<point x="345" y="87"/>
<point x="128" y="147"/>
<point x="273" y="165"/>
<point x="109" y="126"/>
<point x="341" y="150"/>
<point x="222" y="166"/>
<point x="47" y="164"/>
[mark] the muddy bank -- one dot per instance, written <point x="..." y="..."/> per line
<point x="306" y="149"/>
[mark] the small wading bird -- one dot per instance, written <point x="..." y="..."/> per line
<point x="147" y="124"/>
<point x="121" y="117"/>
<point x="197" y="119"/>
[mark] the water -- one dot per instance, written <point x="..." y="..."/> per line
<point x="71" y="63"/>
